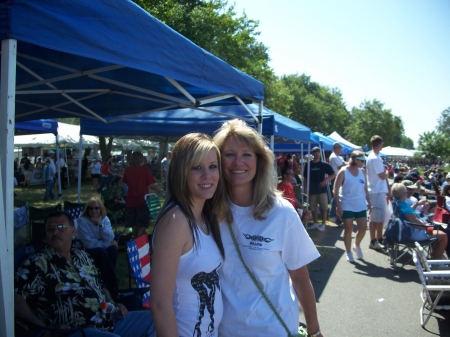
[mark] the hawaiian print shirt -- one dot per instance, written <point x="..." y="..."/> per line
<point x="61" y="293"/>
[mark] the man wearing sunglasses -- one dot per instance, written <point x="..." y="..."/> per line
<point x="60" y="287"/>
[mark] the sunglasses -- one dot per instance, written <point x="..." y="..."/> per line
<point x="92" y="208"/>
<point x="60" y="227"/>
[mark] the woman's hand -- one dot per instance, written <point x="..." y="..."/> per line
<point x="339" y="211"/>
<point x="97" y="221"/>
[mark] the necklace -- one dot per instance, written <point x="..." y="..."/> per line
<point x="203" y="226"/>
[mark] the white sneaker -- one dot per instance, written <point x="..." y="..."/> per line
<point x="314" y="226"/>
<point x="350" y="257"/>
<point x="375" y="245"/>
<point x="358" y="251"/>
<point x="321" y="228"/>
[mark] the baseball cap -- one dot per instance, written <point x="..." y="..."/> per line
<point x="409" y="184"/>
<point x="51" y="152"/>
<point x="358" y="155"/>
<point x="336" y="145"/>
<point x="315" y="149"/>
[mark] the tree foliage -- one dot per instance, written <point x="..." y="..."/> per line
<point x="434" y="144"/>
<point x="444" y="123"/>
<point x="407" y="143"/>
<point x="371" y="118"/>
<point x="318" y="107"/>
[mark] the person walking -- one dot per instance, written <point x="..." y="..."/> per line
<point x="336" y="163"/>
<point x="379" y="190"/>
<point x="321" y="173"/>
<point x="49" y="174"/>
<point x="352" y="202"/>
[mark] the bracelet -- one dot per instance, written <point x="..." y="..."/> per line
<point x="317" y="334"/>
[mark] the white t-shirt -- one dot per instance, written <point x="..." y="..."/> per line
<point x="374" y="166"/>
<point x="411" y="201"/>
<point x="335" y="162"/>
<point x="269" y="248"/>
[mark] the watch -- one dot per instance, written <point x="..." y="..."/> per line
<point x="317" y="334"/>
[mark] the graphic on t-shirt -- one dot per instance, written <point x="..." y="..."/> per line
<point x="201" y="282"/>
<point x="256" y="241"/>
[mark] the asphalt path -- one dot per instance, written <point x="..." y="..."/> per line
<point x="367" y="298"/>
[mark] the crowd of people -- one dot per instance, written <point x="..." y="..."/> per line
<point x="230" y="247"/>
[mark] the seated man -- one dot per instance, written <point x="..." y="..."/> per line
<point x="288" y="192"/>
<point x="421" y="206"/>
<point x="60" y="287"/>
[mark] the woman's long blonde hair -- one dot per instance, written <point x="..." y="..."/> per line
<point x="265" y="181"/>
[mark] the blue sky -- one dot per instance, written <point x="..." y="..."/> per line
<point x="396" y="51"/>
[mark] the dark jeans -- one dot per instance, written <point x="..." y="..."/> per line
<point x="105" y="260"/>
<point x="105" y="181"/>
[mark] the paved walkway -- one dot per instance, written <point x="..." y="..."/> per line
<point x="367" y="298"/>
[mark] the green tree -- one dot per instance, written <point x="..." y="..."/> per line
<point x="215" y="26"/>
<point x="371" y="118"/>
<point x="444" y="123"/>
<point x="407" y="143"/>
<point x="318" y="107"/>
<point x="434" y="144"/>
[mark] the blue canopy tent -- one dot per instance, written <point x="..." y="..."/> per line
<point x="172" y="124"/>
<point x="327" y="144"/>
<point x="95" y="59"/>
<point x="36" y="126"/>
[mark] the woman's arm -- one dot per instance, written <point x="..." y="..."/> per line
<point x="172" y="239"/>
<point x="88" y="237"/>
<point x="306" y="297"/>
<point x="366" y="190"/>
<point x="337" y="184"/>
<point x="411" y="217"/>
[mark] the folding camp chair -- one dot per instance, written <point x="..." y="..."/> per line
<point x="153" y="204"/>
<point x="74" y="209"/>
<point x="431" y="294"/>
<point x="138" y="251"/>
<point x="36" y="218"/>
<point x="399" y="250"/>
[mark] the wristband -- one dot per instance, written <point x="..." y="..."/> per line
<point x="317" y="334"/>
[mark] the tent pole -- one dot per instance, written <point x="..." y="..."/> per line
<point x="7" y="113"/>
<point x="302" y="168"/>
<point x="80" y="150"/>
<point x="260" y="122"/>
<point x="58" y="169"/>
<point x="309" y="174"/>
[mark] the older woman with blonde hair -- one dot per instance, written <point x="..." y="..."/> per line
<point x="262" y="230"/>
<point x="95" y="232"/>
<point x="422" y="231"/>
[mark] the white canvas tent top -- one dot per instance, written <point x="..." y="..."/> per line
<point x="68" y="136"/>
<point x="337" y="137"/>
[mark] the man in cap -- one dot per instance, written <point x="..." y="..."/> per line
<point x="421" y="206"/>
<point x="321" y="174"/>
<point x="336" y="163"/>
<point x="379" y="190"/>
<point x="446" y="182"/>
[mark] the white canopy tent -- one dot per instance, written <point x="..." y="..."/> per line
<point x="337" y="137"/>
<point x="68" y="136"/>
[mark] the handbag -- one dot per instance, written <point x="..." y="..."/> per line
<point x="301" y="331"/>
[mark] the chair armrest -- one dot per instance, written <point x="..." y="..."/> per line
<point x="139" y="279"/>
<point x="437" y="273"/>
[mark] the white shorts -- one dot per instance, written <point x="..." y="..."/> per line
<point x="378" y="210"/>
